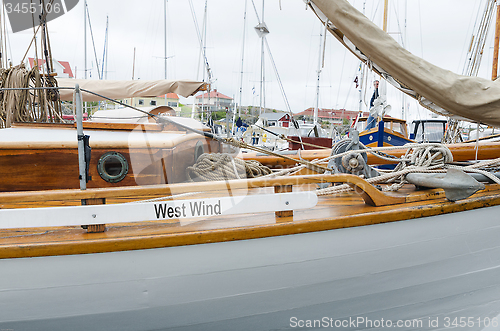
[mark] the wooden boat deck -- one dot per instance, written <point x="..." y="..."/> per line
<point x="332" y="212"/>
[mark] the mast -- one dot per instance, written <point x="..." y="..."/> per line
<point x="3" y="53"/>
<point x="204" y="50"/>
<point x="133" y="65"/>
<point x="494" y="73"/>
<point x="85" y="36"/>
<point x="386" y="2"/>
<point x="362" y="87"/>
<point x="85" y="46"/>
<point x="322" y="44"/>
<point x="404" y="112"/>
<point x="262" y="71"/>
<point x="242" y="56"/>
<point x="104" y="66"/>
<point x="165" y="41"/>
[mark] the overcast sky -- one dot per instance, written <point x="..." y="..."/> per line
<point x="437" y="30"/>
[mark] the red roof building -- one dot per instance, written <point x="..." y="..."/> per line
<point x="62" y="68"/>
<point x="214" y="101"/>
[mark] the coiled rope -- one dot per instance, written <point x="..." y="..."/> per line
<point x="223" y="166"/>
<point x="23" y="106"/>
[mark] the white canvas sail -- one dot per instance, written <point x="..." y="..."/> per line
<point x="437" y="89"/>
<point x="120" y="89"/>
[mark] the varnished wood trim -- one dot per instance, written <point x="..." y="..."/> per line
<point x="461" y="152"/>
<point x="370" y="194"/>
<point x="106" y="126"/>
<point x="173" y="141"/>
<point x="101" y="244"/>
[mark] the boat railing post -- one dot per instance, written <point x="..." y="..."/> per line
<point x="283" y="189"/>
<point x="82" y="160"/>
<point x="81" y="137"/>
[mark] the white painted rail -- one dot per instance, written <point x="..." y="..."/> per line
<point x="148" y="211"/>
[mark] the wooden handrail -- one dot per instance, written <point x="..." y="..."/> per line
<point x="369" y="193"/>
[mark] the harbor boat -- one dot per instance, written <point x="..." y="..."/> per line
<point x="429" y="130"/>
<point x="236" y="255"/>
<point x="277" y="132"/>
<point x="267" y="253"/>
<point x="388" y="131"/>
<point x="254" y="254"/>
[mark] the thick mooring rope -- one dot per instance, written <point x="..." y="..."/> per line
<point x="217" y="166"/>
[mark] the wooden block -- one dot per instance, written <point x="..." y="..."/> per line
<point x="94" y="228"/>
<point x="283" y="189"/>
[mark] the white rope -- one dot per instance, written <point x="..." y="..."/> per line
<point x="372" y="150"/>
<point x="418" y="158"/>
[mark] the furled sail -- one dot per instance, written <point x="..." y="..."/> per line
<point x="120" y="89"/>
<point x="437" y="89"/>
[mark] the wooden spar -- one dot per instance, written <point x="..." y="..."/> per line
<point x="461" y="153"/>
<point x="494" y="73"/>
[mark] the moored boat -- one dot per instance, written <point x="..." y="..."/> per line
<point x="388" y="131"/>
<point x="257" y="254"/>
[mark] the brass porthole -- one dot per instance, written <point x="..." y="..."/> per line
<point x="112" y="167"/>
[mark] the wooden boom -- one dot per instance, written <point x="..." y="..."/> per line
<point x="461" y="152"/>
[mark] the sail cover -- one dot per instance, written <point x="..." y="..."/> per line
<point x="121" y="89"/>
<point x="437" y="89"/>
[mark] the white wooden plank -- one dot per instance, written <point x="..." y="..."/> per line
<point x="164" y="210"/>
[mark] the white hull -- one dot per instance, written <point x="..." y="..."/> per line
<point x="435" y="267"/>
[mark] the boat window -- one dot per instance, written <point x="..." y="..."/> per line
<point x="112" y="167"/>
<point x="360" y="126"/>
<point x="398" y="127"/>
<point x="433" y="131"/>
<point x="152" y="102"/>
<point x="141" y="101"/>
<point x="430" y="131"/>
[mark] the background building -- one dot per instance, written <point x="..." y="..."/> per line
<point x="214" y="101"/>
<point x="61" y="68"/>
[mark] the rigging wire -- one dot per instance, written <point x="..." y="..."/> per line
<point x="104" y="53"/>
<point x="285" y="99"/>
<point x="93" y="43"/>
<point x="201" y="41"/>
<point x="470" y="30"/>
